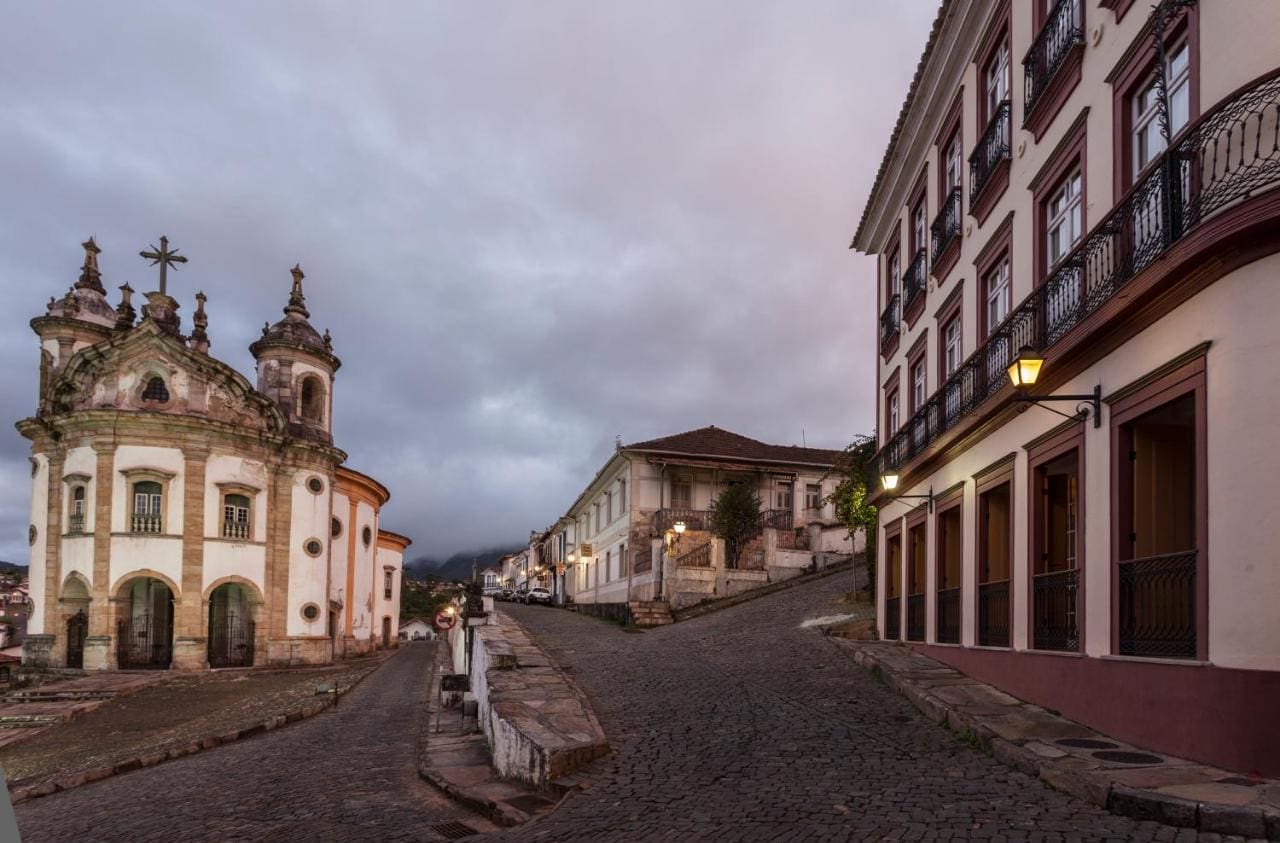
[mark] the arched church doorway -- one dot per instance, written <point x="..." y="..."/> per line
<point x="386" y="632"/>
<point x="144" y="631"/>
<point x="77" y="631"/>
<point x="231" y="627"/>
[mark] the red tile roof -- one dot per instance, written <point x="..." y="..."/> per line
<point x="715" y="442"/>
<point x="902" y="116"/>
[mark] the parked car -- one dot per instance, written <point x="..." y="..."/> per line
<point x="538" y="595"/>
<point x="507" y="594"/>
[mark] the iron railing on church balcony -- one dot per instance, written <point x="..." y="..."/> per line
<point x="1228" y="155"/>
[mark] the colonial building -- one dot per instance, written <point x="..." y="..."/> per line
<point x="610" y="543"/>
<point x="1091" y="539"/>
<point x="182" y="516"/>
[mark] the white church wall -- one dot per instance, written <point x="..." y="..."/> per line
<point x="80" y="461"/>
<point x="168" y="460"/>
<point x="225" y="468"/>
<point x="362" y="604"/>
<point x="308" y="575"/>
<point x="225" y="559"/>
<point x="77" y="557"/>
<point x="389" y="607"/>
<point x="36" y="559"/>
<point x="338" y="549"/>
<point x="162" y="554"/>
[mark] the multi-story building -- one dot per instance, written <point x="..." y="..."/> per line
<point x="1088" y="186"/>
<point x="611" y="539"/>
<point x="182" y="516"/>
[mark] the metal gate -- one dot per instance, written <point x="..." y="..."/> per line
<point x="230" y="644"/>
<point x="144" y="638"/>
<point x="77" y="630"/>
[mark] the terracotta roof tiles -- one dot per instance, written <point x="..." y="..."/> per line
<point x="715" y="442"/>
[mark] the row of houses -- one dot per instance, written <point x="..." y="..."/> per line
<point x="1077" y="287"/>
<point x="640" y="531"/>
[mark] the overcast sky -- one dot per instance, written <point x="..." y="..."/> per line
<point x="531" y="226"/>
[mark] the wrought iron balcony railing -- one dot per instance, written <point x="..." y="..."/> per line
<point x="913" y="280"/>
<point x="892" y="618"/>
<point x="694" y="519"/>
<point x="1054" y="617"/>
<point x="777" y="519"/>
<point x="699" y="557"/>
<point x="993" y="614"/>
<point x="948" y="620"/>
<point x="915" y="617"/>
<point x="992" y="149"/>
<point x="946" y="226"/>
<point x="1062" y="31"/>
<point x="889" y="321"/>
<point x="1230" y="154"/>
<point x="147" y="524"/>
<point x="1157" y="605"/>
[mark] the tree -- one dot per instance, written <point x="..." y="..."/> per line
<point x="855" y="467"/>
<point x="735" y="518"/>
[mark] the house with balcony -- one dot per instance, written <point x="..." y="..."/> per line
<point x="612" y="543"/>
<point x="1076" y="280"/>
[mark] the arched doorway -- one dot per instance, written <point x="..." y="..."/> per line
<point x="231" y="627"/>
<point x="77" y="631"/>
<point x="144" y="631"/>
<point x="386" y="633"/>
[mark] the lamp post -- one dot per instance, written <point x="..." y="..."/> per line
<point x="1024" y="371"/>
<point x="890" y="479"/>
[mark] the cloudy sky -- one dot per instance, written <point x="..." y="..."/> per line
<point x="531" y="227"/>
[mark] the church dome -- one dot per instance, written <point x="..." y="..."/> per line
<point x="294" y="331"/>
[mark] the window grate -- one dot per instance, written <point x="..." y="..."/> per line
<point x="156" y="391"/>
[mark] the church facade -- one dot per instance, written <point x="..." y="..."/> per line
<point x="183" y="517"/>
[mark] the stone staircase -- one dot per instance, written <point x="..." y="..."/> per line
<point x="646" y="615"/>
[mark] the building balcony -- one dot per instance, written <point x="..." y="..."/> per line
<point x="914" y="284"/>
<point x="238" y="530"/>
<point x="75" y="524"/>
<point x="890" y="321"/>
<point x="1060" y="39"/>
<point x="694" y="519"/>
<point x="777" y="519"/>
<point x="989" y="162"/>
<point x="146" y="524"/>
<point x="1191" y="201"/>
<point x="1055" y="622"/>
<point x="945" y="233"/>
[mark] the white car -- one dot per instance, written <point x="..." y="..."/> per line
<point x="538" y="595"/>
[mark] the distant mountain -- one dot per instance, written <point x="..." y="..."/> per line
<point x="11" y="567"/>
<point x="458" y="566"/>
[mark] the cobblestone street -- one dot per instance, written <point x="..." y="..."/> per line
<point x="347" y="774"/>
<point x="741" y="726"/>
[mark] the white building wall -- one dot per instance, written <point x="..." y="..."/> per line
<point x="131" y="553"/>
<point x="76" y="557"/>
<point x="362" y="604"/>
<point x="389" y="607"/>
<point x="36" y="571"/>
<point x="82" y="460"/>
<point x="168" y="460"/>
<point x="225" y="559"/>
<point x="1236" y="314"/>
<point x="338" y="550"/>
<point x="225" y="468"/>
<point x="308" y="575"/>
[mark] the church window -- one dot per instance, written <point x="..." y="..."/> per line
<point x="366" y="536"/>
<point x="312" y="400"/>
<point x="386" y="583"/>
<point x="148" y="500"/>
<point x="156" y="392"/>
<point x="315" y="485"/>
<point x="235" y="517"/>
<point x="335" y="527"/>
<point x="313" y="547"/>
<point x="310" y="612"/>
<point x="77" y="510"/>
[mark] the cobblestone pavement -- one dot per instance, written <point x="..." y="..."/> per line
<point x="347" y="774"/>
<point x="741" y="726"/>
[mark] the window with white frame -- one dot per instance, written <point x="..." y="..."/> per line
<point x="953" y="161"/>
<point x="785" y="495"/>
<point x="895" y="275"/>
<point x="1148" y="139"/>
<point x="235" y="517"/>
<point x="951" y="347"/>
<point x="813" y="496"/>
<point x="148" y="499"/>
<point x="77" y="510"/>
<point x="918" y="382"/>
<point x="998" y="294"/>
<point x="997" y="79"/>
<point x="681" y="493"/>
<point x="919" y="227"/>
<point x="892" y="420"/>
<point x="1064" y="219"/>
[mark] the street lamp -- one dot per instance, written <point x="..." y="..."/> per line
<point x="890" y="479"/>
<point x="1024" y="371"/>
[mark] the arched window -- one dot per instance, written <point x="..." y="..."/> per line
<point x="235" y="517"/>
<point x="148" y="500"/>
<point x="312" y="400"/>
<point x="156" y="391"/>
<point x="77" y="510"/>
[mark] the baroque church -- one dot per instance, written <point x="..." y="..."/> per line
<point x="182" y="518"/>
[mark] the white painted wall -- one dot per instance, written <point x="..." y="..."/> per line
<point x="226" y="468"/>
<point x="308" y="575"/>
<point x="130" y="553"/>
<point x="389" y="608"/>
<point x="169" y="460"/>
<point x="225" y="559"/>
<point x="363" y="625"/>
<point x="338" y="550"/>
<point x="1237" y="315"/>
<point x="81" y="460"/>
<point x="36" y="559"/>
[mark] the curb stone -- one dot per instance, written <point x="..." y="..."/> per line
<point x="47" y="788"/>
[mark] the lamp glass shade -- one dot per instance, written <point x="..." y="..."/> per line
<point x="1024" y="371"/>
<point x="680" y="528"/>
<point x="571" y="558"/>
<point x="889" y="481"/>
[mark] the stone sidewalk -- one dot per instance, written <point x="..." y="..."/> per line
<point x="29" y="712"/>
<point x="1124" y="779"/>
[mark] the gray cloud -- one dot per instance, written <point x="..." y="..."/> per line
<point x="531" y="226"/>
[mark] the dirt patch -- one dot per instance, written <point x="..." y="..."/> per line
<point x="184" y="709"/>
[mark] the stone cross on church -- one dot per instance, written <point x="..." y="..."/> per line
<point x="166" y="259"/>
